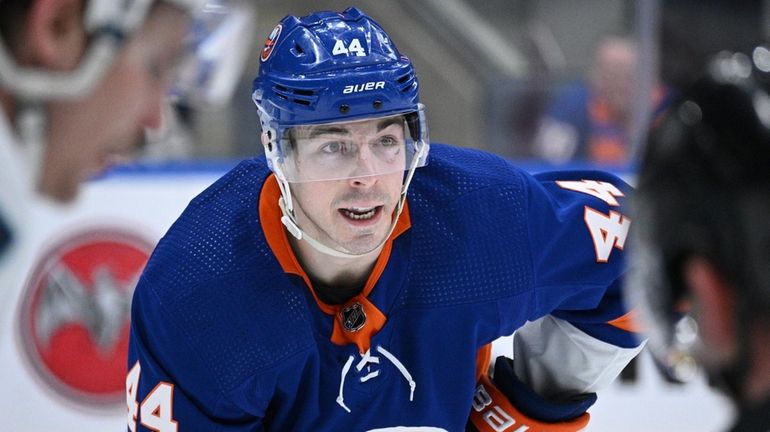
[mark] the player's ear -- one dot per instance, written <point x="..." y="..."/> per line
<point x="55" y="33"/>
<point x="713" y="304"/>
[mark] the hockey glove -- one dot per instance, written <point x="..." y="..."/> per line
<point x="508" y="405"/>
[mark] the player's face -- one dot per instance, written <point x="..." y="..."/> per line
<point x="352" y="214"/>
<point x="89" y="134"/>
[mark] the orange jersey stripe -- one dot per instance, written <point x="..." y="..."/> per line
<point x="483" y="359"/>
<point x="627" y="322"/>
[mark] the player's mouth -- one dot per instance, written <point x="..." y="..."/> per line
<point x="357" y="214"/>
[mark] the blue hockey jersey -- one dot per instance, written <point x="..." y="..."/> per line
<point x="228" y="334"/>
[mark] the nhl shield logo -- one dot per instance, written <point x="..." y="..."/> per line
<point x="74" y="319"/>
<point x="353" y="317"/>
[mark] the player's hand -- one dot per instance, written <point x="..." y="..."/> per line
<point x="499" y="406"/>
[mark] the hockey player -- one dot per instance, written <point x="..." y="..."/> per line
<point x="80" y="80"/>
<point x="307" y="290"/>
<point x="703" y="240"/>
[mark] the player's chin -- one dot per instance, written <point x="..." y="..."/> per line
<point x="124" y="154"/>
<point x="64" y="190"/>
<point x="362" y="240"/>
<point x="363" y="244"/>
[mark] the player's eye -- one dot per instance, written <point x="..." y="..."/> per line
<point x="336" y="148"/>
<point x="387" y="141"/>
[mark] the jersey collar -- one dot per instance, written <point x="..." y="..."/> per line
<point x="278" y="241"/>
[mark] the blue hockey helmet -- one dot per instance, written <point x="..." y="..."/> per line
<point x="331" y="67"/>
<point x="336" y="100"/>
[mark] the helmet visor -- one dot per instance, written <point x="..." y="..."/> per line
<point x="345" y="150"/>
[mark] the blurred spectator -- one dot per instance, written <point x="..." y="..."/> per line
<point x="591" y="119"/>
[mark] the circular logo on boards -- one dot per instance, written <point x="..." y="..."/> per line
<point x="75" y="313"/>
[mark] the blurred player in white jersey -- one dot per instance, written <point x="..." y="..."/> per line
<point x="80" y="82"/>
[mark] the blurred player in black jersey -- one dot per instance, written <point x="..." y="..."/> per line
<point x="702" y="262"/>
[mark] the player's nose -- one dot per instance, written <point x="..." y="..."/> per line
<point x="367" y="168"/>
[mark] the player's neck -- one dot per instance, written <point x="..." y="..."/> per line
<point x="334" y="279"/>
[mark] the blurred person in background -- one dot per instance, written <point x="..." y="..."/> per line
<point x="591" y="120"/>
<point x="80" y="82"/>
<point x="701" y="265"/>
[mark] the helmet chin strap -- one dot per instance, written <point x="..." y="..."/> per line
<point x="290" y="222"/>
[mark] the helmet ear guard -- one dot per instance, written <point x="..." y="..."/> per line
<point x="270" y="143"/>
<point x="274" y="161"/>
